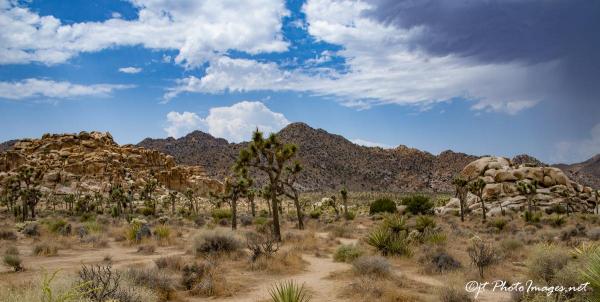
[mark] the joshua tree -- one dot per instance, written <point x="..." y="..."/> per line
<point x="476" y="187"/>
<point x="233" y="190"/>
<point x="172" y="201"/>
<point x="290" y="190"/>
<point x="529" y="190"/>
<point x="268" y="156"/>
<point x="147" y="193"/>
<point x="117" y="196"/>
<point x="11" y="193"/>
<point x="29" y="178"/>
<point x="344" y="194"/>
<point x="250" y="195"/>
<point x="461" y="193"/>
<point x="567" y="199"/>
<point x="189" y="195"/>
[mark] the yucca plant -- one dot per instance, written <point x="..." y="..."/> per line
<point x="394" y="222"/>
<point x="591" y="273"/>
<point x="388" y="242"/>
<point x="289" y="291"/>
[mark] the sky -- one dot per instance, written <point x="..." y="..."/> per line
<point x="496" y="77"/>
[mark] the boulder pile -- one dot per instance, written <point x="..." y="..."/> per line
<point x="93" y="162"/>
<point x="501" y="191"/>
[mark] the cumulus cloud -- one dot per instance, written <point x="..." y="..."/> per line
<point x="367" y="143"/>
<point x="578" y="150"/>
<point x="234" y="123"/>
<point x="32" y="88"/>
<point x="130" y="70"/>
<point x="382" y="68"/>
<point x="196" y="29"/>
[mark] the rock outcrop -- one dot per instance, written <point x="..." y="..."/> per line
<point x="91" y="162"/>
<point x="502" y="177"/>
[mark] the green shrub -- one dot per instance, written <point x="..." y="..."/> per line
<point x="545" y="260"/>
<point x="315" y="214"/>
<point x="418" y="204"/>
<point x="147" y="211"/>
<point x="347" y="253"/>
<point x="382" y="205"/>
<point x="499" y="223"/>
<point x="45" y="249"/>
<point x="372" y="265"/>
<point x="510" y="245"/>
<point x="350" y="215"/>
<point x="210" y="242"/>
<point x="13" y="261"/>
<point x="260" y="220"/>
<point x="389" y="243"/>
<point x="93" y="227"/>
<point x="56" y="226"/>
<point x="423" y="223"/>
<point x="557" y="220"/>
<point x="532" y="217"/>
<point x="162" y="232"/>
<point x="221" y="213"/>
<point x="289" y="291"/>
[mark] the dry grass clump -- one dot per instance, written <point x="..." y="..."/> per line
<point x="453" y="294"/>
<point x="95" y="241"/>
<point x="163" y="235"/>
<point x="45" y="249"/>
<point x="206" y="279"/>
<point x="347" y="253"/>
<point x="8" y="235"/>
<point x="154" y="279"/>
<point x="369" y="288"/>
<point x="215" y="242"/>
<point x="340" y="231"/>
<point x="13" y="261"/>
<point x="174" y="263"/>
<point x="146" y="249"/>
<point x="545" y="260"/>
<point x="376" y="266"/>
<point x="285" y="262"/>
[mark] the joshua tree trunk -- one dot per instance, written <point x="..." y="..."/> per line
<point x="234" y="213"/>
<point x="252" y="206"/>
<point x="275" y="210"/>
<point x="299" y="213"/>
<point x="483" y="208"/>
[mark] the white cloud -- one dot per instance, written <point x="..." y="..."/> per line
<point x="382" y="68"/>
<point x="578" y="150"/>
<point x="367" y="143"/>
<point x="130" y="70"/>
<point x="199" y="30"/>
<point x="32" y="88"/>
<point x="235" y="123"/>
<point x="182" y="123"/>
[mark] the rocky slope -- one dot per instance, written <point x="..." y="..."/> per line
<point x="7" y="145"/>
<point x="587" y="172"/>
<point x="90" y="162"/>
<point x="502" y="177"/>
<point x="330" y="161"/>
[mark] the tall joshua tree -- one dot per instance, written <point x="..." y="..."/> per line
<point x="344" y="194"/>
<point x="476" y="187"/>
<point x="269" y="157"/>
<point x="290" y="190"/>
<point x="172" y="201"/>
<point x="29" y="179"/>
<point x="461" y="186"/>
<point x="529" y="189"/>
<point x="148" y="192"/>
<point x="235" y="188"/>
<point x="250" y="195"/>
<point x="189" y="195"/>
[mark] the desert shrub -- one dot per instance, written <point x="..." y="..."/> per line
<point x="138" y="230"/>
<point x="260" y="220"/>
<point x="205" y="279"/>
<point x="146" y="249"/>
<point x="342" y="231"/>
<point x="418" y="204"/>
<point x="315" y="214"/>
<point x="545" y="260"/>
<point x="153" y="279"/>
<point x="382" y="205"/>
<point x="510" y="245"/>
<point x="289" y="291"/>
<point x="246" y="220"/>
<point x="261" y="244"/>
<point x="438" y="260"/>
<point x="594" y="234"/>
<point x="210" y="242"/>
<point x="199" y="221"/>
<point x="350" y="215"/>
<point x="162" y="232"/>
<point x="31" y="229"/>
<point x="7" y="235"/>
<point x="556" y="220"/>
<point x="96" y="241"/>
<point x="434" y="238"/>
<point x="93" y="227"/>
<point x="372" y="265"/>
<point x="57" y="226"/>
<point x="221" y="213"/>
<point x="347" y="253"/>
<point x="174" y="263"/>
<point x="390" y="239"/>
<point x="423" y="223"/>
<point x="14" y="261"/>
<point x="482" y="254"/>
<point x="98" y="282"/>
<point x="499" y="223"/>
<point x="147" y="211"/>
<point x="11" y="250"/>
<point x="532" y="217"/>
<point x="453" y="294"/>
<point x="224" y="222"/>
<point x="45" y="249"/>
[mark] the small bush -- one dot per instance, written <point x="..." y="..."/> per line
<point x="260" y="220"/>
<point x="382" y="205"/>
<point x="557" y="220"/>
<point x="162" y="232"/>
<point x="545" y="260"/>
<point x="350" y="215"/>
<point x="347" y="253"/>
<point x="388" y="242"/>
<point x="13" y="261"/>
<point x="153" y="279"/>
<point x="424" y="223"/>
<point x="532" y="217"/>
<point x="289" y="291"/>
<point x="261" y="244"/>
<point x="146" y="249"/>
<point x="221" y="213"/>
<point x="372" y="265"/>
<point x="96" y="241"/>
<point x="482" y="254"/>
<point x="199" y="221"/>
<point x="418" y="204"/>
<point x="499" y="223"/>
<point x="174" y="263"/>
<point x="45" y="249"/>
<point x="315" y="214"/>
<point x="210" y="242"/>
<point x="7" y="235"/>
<point x="57" y="226"/>
<point x="11" y="250"/>
<point x="93" y="227"/>
<point x="99" y="283"/>
<point x="452" y="294"/>
<point x="246" y="220"/>
<point x="511" y="245"/>
<point x="147" y="211"/>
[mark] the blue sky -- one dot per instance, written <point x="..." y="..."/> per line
<point x="377" y="72"/>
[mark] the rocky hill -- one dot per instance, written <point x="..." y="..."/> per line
<point x="587" y="172"/>
<point x="7" y="145"/>
<point x="330" y="161"/>
<point x="91" y="162"/>
<point x="502" y="177"/>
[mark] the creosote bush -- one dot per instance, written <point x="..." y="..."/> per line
<point x="418" y="204"/>
<point x="347" y="253"/>
<point x="545" y="260"/>
<point x="221" y="213"/>
<point x="45" y="249"/>
<point x="382" y="205"/>
<point x="372" y="265"/>
<point x="482" y="254"/>
<point x="214" y="241"/>
<point x="14" y="261"/>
